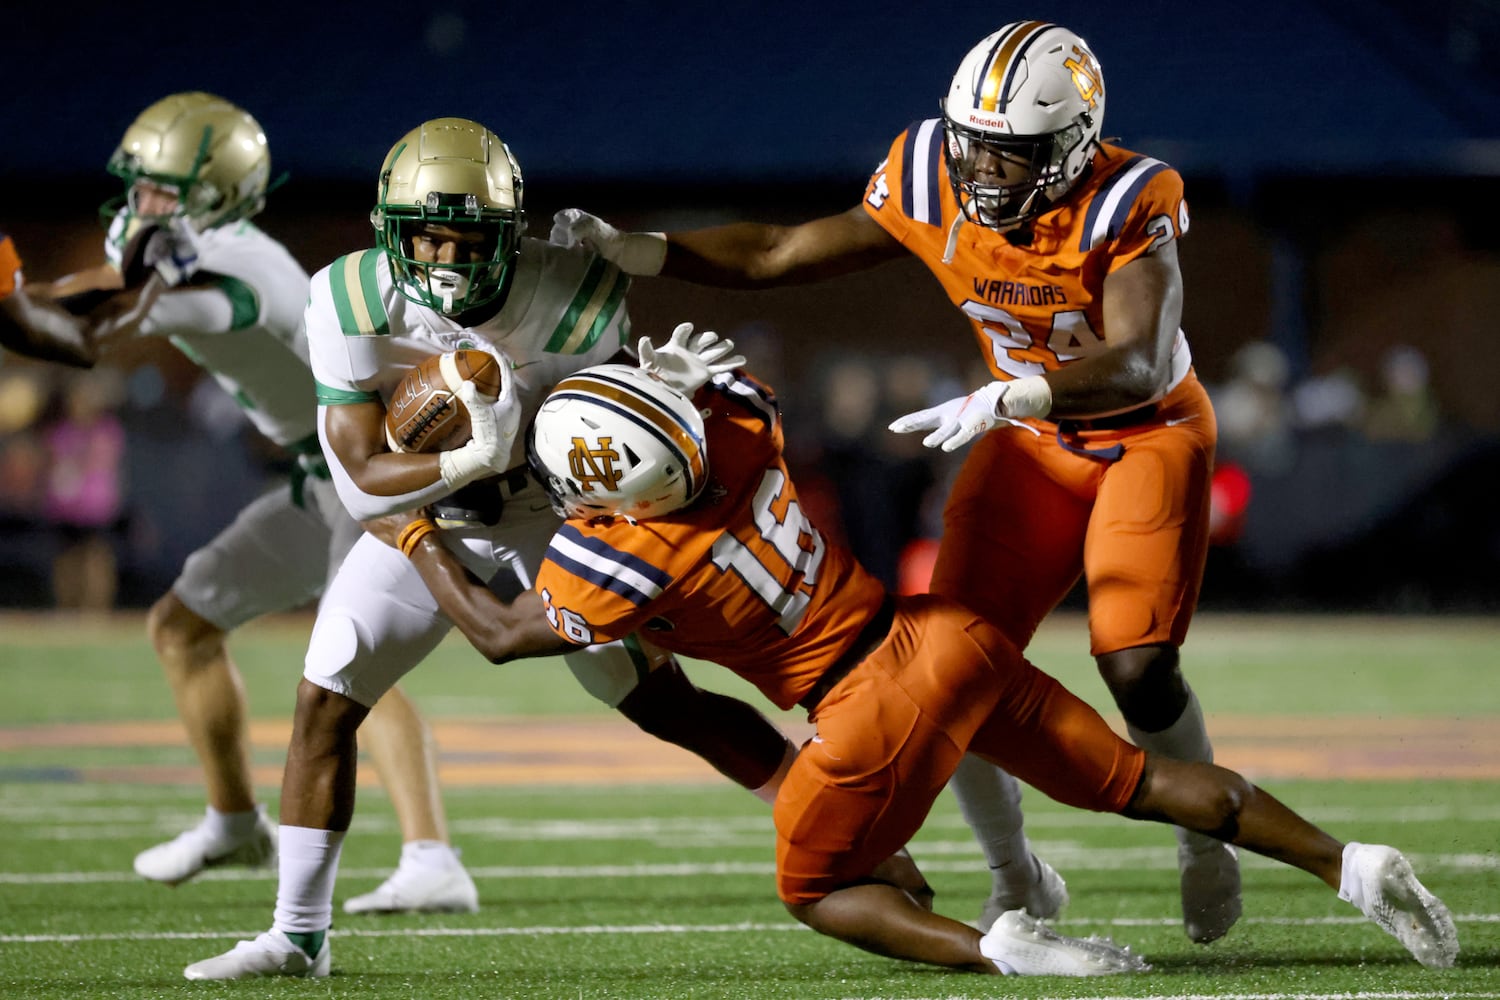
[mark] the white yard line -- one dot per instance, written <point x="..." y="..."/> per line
<point x="587" y="930"/>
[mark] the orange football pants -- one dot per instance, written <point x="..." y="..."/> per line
<point x="1026" y="517"/>
<point x="890" y="734"/>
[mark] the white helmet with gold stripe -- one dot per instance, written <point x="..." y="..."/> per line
<point x="1022" y="119"/>
<point x="612" y="440"/>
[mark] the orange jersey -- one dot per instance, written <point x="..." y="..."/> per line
<point x="1035" y="307"/>
<point x="741" y="577"/>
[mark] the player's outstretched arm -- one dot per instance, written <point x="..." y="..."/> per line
<point x="740" y="254"/>
<point x="44" y="331"/>
<point x="500" y="631"/>
<point x="37" y="328"/>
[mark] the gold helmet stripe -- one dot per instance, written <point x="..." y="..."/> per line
<point x="997" y="79"/>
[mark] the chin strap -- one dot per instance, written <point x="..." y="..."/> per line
<point x="952" y="244"/>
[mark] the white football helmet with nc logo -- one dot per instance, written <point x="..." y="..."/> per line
<point x="612" y="440"/>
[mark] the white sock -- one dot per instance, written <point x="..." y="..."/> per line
<point x="230" y="828"/>
<point x="767" y="792"/>
<point x="1185" y="739"/>
<point x="309" y="861"/>
<point x="1350" y="889"/>
<point x="990" y="801"/>
<point x="437" y="854"/>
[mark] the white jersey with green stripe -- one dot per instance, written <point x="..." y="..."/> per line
<point x="565" y="310"/>
<point x="240" y="320"/>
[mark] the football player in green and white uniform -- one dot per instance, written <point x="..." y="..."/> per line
<point x="452" y="270"/>
<point x="186" y="263"/>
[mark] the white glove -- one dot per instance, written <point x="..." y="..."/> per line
<point x="959" y="421"/>
<point x="173" y="251"/>
<point x="686" y="361"/>
<point x="493" y="427"/>
<point x="633" y="253"/>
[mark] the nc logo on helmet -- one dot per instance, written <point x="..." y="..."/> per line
<point x="1086" y="75"/>
<point x="591" y="466"/>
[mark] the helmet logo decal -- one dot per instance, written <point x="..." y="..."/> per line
<point x="592" y="466"/>
<point x="1086" y="75"/>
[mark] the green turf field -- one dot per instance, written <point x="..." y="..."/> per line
<point x="633" y="889"/>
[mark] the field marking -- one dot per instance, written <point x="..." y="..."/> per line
<point x="1077" y="859"/>
<point x="608" y="749"/>
<point x="629" y="929"/>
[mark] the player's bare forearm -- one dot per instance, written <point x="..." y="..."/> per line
<point x="98" y="280"/>
<point x="44" y="331"/>
<point x="356" y="432"/>
<point x="1119" y="379"/>
<point x="753" y="255"/>
<point x="500" y="631"/>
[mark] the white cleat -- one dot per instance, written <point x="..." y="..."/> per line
<point x="1379" y="880"/>
<point x="420" y="889"/>
<point x="270" y="954"/>
<point x="1043" y="898"/>
<point x="1021" y="945"/>
<point x="1210" y="882"/>
<point x="187" y="854"/>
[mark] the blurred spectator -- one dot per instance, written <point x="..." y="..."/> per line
<point x="1329" y="402"/>
<point x="23" y="395"/>
<point x="1405" y="408"/>
<point x="1253" y="409"/>
<point x="84" y="491"/>
<point x="879" y="482"/>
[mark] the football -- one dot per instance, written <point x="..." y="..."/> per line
<point x="423" y="413"/>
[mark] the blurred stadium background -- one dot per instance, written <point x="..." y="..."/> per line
<point x="1342" y="272"/>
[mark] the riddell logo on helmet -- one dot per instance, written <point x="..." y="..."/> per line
<point x="987" y="121"/>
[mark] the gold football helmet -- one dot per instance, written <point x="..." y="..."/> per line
<point x="452" y="172"/>
<point x="207" y="150"/>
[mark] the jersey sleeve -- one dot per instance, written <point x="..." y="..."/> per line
<point x="201" y="308"/>
<point x="344" y="365"/>
<point x="592" y="321"/>
<point x="596" y="591"/>
<point x="906" y="189"/>
<point x="1148" y="212"/>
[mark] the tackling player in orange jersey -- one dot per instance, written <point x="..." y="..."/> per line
<point x="683" y="524"/>
<point x="1061" y="250"/>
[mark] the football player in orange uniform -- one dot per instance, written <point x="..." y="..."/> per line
<point x="683" y="524"/>
<point x="1061" y="249"/>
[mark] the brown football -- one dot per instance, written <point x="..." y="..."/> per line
<point x="423" y="414"/>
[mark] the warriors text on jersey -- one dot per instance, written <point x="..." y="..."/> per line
<point x="741" y="577"/>
<point x="565" y="310"/>
<point x="1037" y="305"/>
